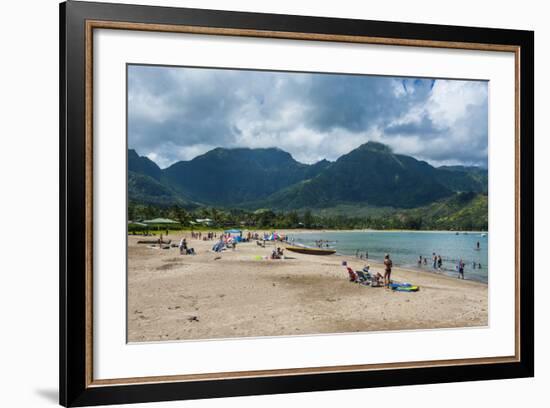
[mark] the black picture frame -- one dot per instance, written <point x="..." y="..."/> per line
<point x="74" y="389"/>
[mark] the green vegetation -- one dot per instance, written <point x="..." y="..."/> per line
<point x="462" y="211"/>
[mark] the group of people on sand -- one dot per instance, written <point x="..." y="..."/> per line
<point x="376" y="279"/>
<point x="226" y="241"/>
<point x="207" y="236"/>
<point x="277" y="253"/>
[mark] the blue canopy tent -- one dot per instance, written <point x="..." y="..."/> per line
<point x="236" y="233"/>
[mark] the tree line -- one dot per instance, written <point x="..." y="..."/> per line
<point x="269" y="219"/>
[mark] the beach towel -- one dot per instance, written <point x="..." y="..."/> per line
<point x="403" y="287"/>
<point x="407" y="289"/>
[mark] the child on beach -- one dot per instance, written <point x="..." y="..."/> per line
<point x="352" y="275"/>
<point x="377" y="279"/>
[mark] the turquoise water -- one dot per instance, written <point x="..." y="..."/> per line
<point x="406" y="247"/>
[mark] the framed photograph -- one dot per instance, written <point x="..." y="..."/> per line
<point x="256" y="204"/>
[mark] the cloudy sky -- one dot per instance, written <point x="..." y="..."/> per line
<point x="178" y="113"/>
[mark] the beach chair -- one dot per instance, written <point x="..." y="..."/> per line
<point x="364" y="277"/>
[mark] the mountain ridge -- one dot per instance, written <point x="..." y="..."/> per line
<point x="370" y="174"/>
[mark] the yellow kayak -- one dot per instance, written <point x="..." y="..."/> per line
<point x="311" y="251"/>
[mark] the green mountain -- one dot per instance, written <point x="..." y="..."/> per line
<point x="144" y="189"/>
<point x="229" y="177"/>
<point x="371" y="174"/>
<point x="462" y="211"/>
<point x="370" y="181"/>
<point x="463" y="178"/>
<point x="143" y="165"/>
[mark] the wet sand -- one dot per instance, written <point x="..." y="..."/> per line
<point x="237" y="293"/>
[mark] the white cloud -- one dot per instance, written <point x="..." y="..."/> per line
<point x="179" y="113"/>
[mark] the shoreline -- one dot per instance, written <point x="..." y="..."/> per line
<point x="426" y="269"/>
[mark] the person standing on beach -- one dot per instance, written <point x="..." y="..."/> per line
<point x="387" y="270"/>
<point x="439" y="262"/>
<point x="434" y="259"/>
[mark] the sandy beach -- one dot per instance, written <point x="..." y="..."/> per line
<point x="237" y="293"/>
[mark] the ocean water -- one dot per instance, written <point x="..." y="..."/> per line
<point x="406" y="247"/>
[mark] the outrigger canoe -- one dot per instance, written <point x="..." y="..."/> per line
<point x="311" y="251"/>
<point x="153" y="241"/>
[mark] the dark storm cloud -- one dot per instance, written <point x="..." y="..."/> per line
<point x="178" y="113"/>
<point x="423" y="127"/>
<point x="357" y="102"/>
